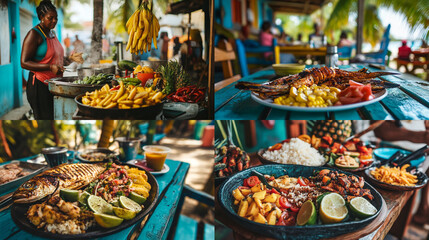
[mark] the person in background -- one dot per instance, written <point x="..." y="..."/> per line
<point x="344" y="41"/>
<point x="67" y="43"/>
<point x="283" y="39"/>
<point x="176" y="47"/>
<point x="317" y="37"/>
<point x="43" y="55"/>
<point x="164" y="46"/>
<point x="266" y="39"/>
<point x="404" y="51"/>
<point x="78" y="45"/>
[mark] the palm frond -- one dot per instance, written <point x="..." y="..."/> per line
<point x="340" y="16"/>
<point x="373" y="28"/>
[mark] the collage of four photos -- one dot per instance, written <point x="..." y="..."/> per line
<point x="214" y="119"/>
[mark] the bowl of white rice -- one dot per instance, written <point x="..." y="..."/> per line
<point x="294" y="152"/>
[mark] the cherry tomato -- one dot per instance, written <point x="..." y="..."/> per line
<point x="294" y="209"/>
<point x="284" y="202"/>
<point x="245" y="183"/>
<point x="273" y="190"/>
<point x="252" y="181"/>
<point x="301" y="182"/>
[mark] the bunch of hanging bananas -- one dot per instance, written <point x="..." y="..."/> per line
<point x="143" y="27"/>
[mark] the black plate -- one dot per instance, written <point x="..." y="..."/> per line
<point x="144" y="113"/>
<point x="226" y="201"/>
<point x="97" y="150"/>
<point x="421" y="177"/>
<point x="18" y="212"/>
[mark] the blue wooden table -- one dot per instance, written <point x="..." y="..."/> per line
<point x="157" y="225"/>
<point x="410" y="101"/>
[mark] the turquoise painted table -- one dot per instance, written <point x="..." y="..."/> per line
<point x="410" y="101"/>
<point x="157" y="225"/>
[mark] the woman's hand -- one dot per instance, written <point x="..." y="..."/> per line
<point x="76" y="57"/>
<point x="56" y="69"/>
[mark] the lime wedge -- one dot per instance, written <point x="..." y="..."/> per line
<point x="137" y="198"/>
<point x="362" y="207"/>
<point x="333" y="208"/>
<point x="83" y="198"/>
<point x="124" y="213"/>
<point x="129" y="204"/>
<point x="99" y="205"/>
<point x="107" y="221"/>
<point x="307" y="214"/>
<point x="69" y="195"/>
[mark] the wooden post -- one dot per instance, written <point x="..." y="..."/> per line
<point x="359" y="32"/>
<point x="211" y="64"/>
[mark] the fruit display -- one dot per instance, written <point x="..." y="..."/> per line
<point x="143" y="28"/>
<point x="127" y="65"/>
<point x="142" y="69"/>
<point x="101" y="78"/>
<point x="122" y="97"/>
<point x="174" y="77"/>
<point x="129" y="81"/>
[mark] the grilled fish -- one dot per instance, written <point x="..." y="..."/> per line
<point x="328" y="76"/>
<point x="71" y="176"/>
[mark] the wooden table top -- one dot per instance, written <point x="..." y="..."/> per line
<point x="408" y="102"/>
<point x="394" y="202"/>
<point x="155" y="226"/>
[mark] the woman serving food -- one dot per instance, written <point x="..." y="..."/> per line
<point x="43" y="55"/>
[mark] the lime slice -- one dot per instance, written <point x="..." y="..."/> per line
<point x="83" y="198"/>
<point x="307" y="214"/>
<point x="107" y="221"/>
<point x="115" y="203"/>
<point x="333" y="208"/>
<point x="124" y="213"/>
<point x="137" y="198"/>
<point x="129" y="204"/>
<point x="99" y="205"/>
<point x="362" y="207"/>
<point x="69" y="195"/>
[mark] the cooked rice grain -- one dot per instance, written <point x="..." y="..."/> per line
<point x="296" y="152"/>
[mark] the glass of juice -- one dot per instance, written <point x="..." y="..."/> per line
<point x="155" y="156"/>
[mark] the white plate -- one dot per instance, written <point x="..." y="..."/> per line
<point x="270" y="103"/>
<point x="165" y="169"/>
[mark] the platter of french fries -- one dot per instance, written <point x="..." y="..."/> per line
<point x="125" y="97"/>
<point x="121" y="102"/>
<point x="396" y="178"/>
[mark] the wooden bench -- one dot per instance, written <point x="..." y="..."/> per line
<point x="416" y="64"/>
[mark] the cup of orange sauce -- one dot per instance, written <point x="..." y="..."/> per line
<point x="155" y="156"/>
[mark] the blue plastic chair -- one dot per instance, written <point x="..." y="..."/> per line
<point x="187" y="228"/>
<point x="345" y="53"/>
<point x="380" y="56"/>
<point x="252" y="46"/>
<point x="143" y="128"/>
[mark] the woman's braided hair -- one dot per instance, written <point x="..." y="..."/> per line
<point x="44" y="7"/>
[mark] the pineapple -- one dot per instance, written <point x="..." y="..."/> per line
<point x="339" y="130"/>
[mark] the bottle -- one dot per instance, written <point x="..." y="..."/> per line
<point x="331" y="56"/>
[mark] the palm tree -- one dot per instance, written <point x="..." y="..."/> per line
<point x="416" y="13"/>
<point x="97" y="31"/>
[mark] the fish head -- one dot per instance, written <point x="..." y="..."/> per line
<point x="35" y="189"/>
